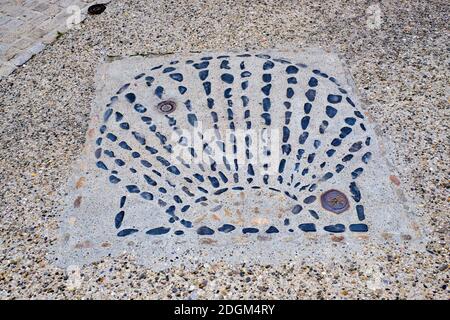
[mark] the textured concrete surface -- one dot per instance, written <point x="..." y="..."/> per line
<point x="399" y="69"/>
<point x="26" y="26"/>
<point x="229" y="201"/>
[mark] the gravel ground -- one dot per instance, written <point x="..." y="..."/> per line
<point x="400" y="69"/>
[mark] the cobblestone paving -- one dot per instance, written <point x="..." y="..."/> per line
<point x="398" y="68"/>
<point x="26" y="26"/>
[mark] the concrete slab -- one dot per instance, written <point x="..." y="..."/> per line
<point x="301" y="168"/>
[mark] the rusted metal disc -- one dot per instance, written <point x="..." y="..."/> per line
<point x="334" y="201"/>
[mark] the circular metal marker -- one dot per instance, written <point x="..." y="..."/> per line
<point x="166" y="106"/>
<point x="96" y="9"/>
<point x="334" y="201"/>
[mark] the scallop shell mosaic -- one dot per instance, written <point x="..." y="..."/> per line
<point x="227" y="156"/>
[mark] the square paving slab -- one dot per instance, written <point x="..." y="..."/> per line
<point x="258" y="157"/>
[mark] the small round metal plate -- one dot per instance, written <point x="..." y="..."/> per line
<point x="96" y="9"/>
<point x="166" y="106"/>
<point x="334" y="201"/>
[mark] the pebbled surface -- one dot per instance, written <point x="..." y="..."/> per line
<point x="399" y="69"/>
<point x="286" y="153"/>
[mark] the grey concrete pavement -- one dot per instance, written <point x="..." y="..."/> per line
<point x="397" y="56"/>
<point x="26" y="26"/>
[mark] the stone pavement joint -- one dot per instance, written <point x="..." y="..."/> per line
<point x="147" y="180"/>
<point x="26" y="26"/>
